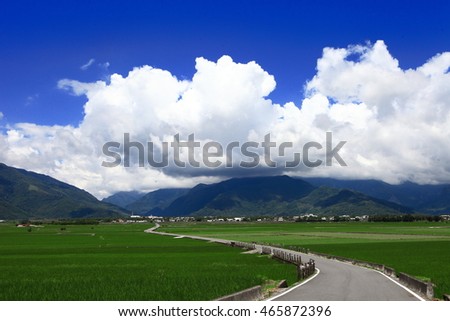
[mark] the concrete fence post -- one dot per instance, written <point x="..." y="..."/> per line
<point x="300" y="272"/>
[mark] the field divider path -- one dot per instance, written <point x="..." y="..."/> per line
<point x="337" y="281"/>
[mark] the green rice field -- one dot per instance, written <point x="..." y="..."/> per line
<point x="121" y="262"/>
<point x="420" y="249"/>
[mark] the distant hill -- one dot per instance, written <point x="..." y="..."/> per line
<point x="25" y="194"/>
<point x="146" y="204"/>
<point x="333" y="201"/>
<point x="123" y="199"/>
<point x="432" y="199"/>
<point x="154" y="202"/>
<point x="278" y="195"/>
<point x="440" y="204"/>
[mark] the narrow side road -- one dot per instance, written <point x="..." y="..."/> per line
<point x="337" y="281"/>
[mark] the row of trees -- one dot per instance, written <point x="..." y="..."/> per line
<point x="405" y="218"/>
<point x="374" y="218"/>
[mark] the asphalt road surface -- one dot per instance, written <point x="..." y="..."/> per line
<point x="338" y="281"/>
<point x="335" y="281"/>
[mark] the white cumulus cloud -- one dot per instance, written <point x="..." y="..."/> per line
<point x="396" y="122"/>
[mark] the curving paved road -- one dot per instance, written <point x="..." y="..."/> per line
<point x="339" y="281"/>
<point x="336" y="281"/>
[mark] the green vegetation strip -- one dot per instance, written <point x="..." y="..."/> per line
<point x="421" y="249"/>
<point x="121" y="262"/>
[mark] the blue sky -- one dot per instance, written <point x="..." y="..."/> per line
<point x="45" y="41"/>
<point x="74" y="75"/>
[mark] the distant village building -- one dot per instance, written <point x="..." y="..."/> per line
<point x="152" y="217"/>
<point x="308" y="216"/>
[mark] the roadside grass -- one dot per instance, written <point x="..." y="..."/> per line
<point x="421" y="249"/>
<point x="121" y="262"/>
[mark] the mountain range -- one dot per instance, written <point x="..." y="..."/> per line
<point x="430" y="199"/>
<point x="25" y="195"/>
<point x="275" y="195"/>
<point x="411" y="197"/>
<point x="141" y="203"/>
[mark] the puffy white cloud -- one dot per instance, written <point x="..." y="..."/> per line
<point x="403" y="114"/>
<point x="395" y="121"/>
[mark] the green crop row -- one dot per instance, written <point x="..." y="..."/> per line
<point x="121" y="262"/>
<point x="420" y="249"/>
